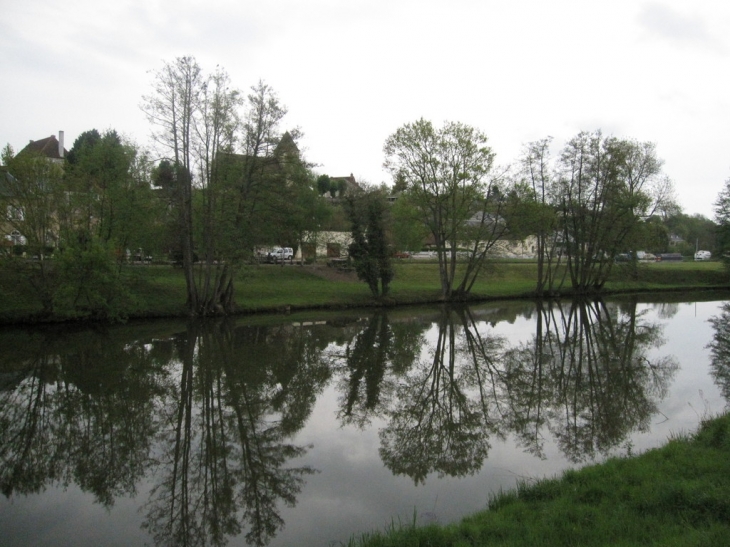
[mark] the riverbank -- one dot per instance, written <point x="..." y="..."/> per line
<point x="675" y="495"/>
<point x="159" y="291"/>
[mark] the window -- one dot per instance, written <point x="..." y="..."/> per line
<point x="15" y="213"/>
<point x="16" y="238"/>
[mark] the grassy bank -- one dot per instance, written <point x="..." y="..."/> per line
<point x="677" y="495"/>
<point x="160" y="290"/>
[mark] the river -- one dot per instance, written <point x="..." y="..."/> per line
<point x="305" y="429"/>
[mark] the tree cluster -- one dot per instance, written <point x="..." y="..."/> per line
<point x="224" y="180"/>
<point x="594" y="202"/>
<point x="86" y="211"/>
<point x="227" y="178"/>
<point x="234" y="179"/>
<point x="598" y="198"/>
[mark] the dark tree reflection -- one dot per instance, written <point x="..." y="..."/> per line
<point x="437" y="423"/>
<point x="223" y="461"/>
<point x="77" y="408"/>
<point x="371" y="359"/>
<point x="586" y="378"/>
<point x="720" y="351"/>
<point x="203" y="414"/>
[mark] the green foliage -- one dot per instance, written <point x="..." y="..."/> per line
<point x="32" y="201"/>
<point x="370" y="250"/>
<point x="409" y="231"/>
<point x="588" y="206"/>
<point x="653" y="236"/>
<point x="596" y="207"/>
<point x="722" y="217"/>
<point x="323" y="184"/>
<point x="694" y="231"/>
<point x="233" y="180"/>
<point x="447" y="173"/>
<point x="111" y="197"/>
<point x="90" y="281"/>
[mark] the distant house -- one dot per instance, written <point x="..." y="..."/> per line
<point x="10" y="216"/>
<point x="345" y="185"/>
<point x="13" y="215"/>
<point x="50" y="147"/>
<point x="675" y="240"/>
<point x="328" y="244"/>
<point x="285" y="155"/>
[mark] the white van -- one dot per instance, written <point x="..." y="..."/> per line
<point x="703" y="255"/>
<point x="280" y="254"/>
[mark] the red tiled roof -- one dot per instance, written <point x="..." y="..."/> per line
<point x="48" y="147"/>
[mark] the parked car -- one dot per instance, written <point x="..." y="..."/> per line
<point x="703" y="255"/>
<point x="281" y="254"/>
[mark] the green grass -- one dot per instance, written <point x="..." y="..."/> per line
<point x="677" y="495"/>
<point x="160" y="290"/>
<point x="666" y="274"/>
<point x="272" y="287"/>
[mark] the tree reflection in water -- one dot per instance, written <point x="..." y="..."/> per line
<point x="585" y="378"/>
<point x="79" y="410"/>
<point x="379" y="348"/>
<point x="720" y="351"/>
<point x="206" y="415"/>
<point x="223" y="461"/>
<point x="435" y="424"/>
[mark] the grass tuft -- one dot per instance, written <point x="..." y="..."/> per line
<point x="675" y="495"/>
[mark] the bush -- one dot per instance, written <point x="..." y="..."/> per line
<point x="90" y="282"/>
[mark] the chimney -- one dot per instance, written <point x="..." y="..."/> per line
<point x="60" y="144"/>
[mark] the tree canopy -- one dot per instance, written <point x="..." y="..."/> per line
<point x="447" y="175"/>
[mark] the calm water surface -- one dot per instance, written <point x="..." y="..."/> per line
<point x="303" y="430"/>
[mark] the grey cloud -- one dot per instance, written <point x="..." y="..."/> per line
<point x="671" y="25"/>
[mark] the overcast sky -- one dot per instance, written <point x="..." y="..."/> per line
<point x="351" y="72"/>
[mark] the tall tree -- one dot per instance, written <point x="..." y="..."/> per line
<point x="233" y="175"/>
<point x="535" y="213"/>
<point x="694" y="232"/>
<point x="199" y="124"/>
<point x="172" y="108"/>
<point x="648" y="191"/>
<point x="260" y="172"/>
<point x="216" y="128"/>
<point x="448" y="174"/>
<point x="370" y="249"/>
<point x="722" y="218"/>
<point x="596" y="207"/>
